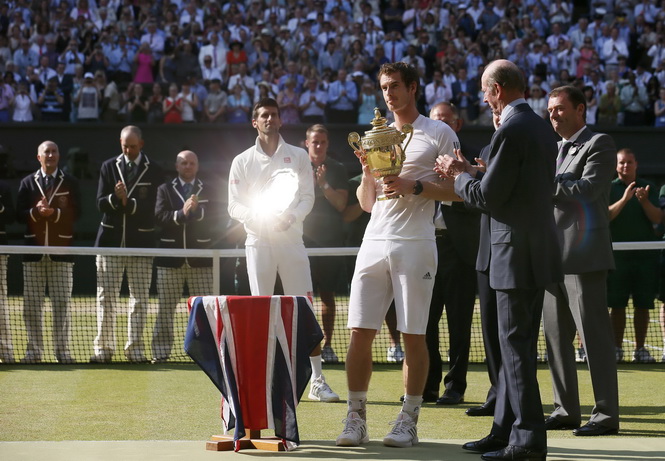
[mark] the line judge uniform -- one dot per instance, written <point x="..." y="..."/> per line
<point x="129" y="226"/>
<point x="185" y="232"/>
<point x="62" y="193"/>
<point x="7" y="215"/>
<point x="581" y="210"/>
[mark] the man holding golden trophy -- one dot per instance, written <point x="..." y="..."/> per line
<point x="397" y="258"/>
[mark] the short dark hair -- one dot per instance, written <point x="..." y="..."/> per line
<point x="574" y="95"/>
<point x="264" y="102"/>
<point x="408" y="73"/>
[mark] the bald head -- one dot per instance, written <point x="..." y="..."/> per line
<point x="506" y="74"/>
<point x="187" y="165"/>
<point x="131" y="141"/>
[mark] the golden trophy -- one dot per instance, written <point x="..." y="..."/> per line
<point x="382" y="148"/>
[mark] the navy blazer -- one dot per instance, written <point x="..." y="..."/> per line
<point x="581" y="202"/>
<point x="472" y="99"/>
<point x="132" y="225"/>
<point x="518" y="243"/>
<point x="7" y="213"/>
<point x="58" y="229"/>
<point x="180" y="231"/>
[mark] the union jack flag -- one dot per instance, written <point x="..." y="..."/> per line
<point x="255" y="349"/>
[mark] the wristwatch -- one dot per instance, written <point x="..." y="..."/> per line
<point x="417" y="187"/>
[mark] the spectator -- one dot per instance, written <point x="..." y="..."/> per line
<point x="121" y="60"/>
<point x="24" y="57"/>
<point x="238" y="106"/>
<point x="394" y="47"/>
<point x="48" y="203"/>
<point x="368" y="101"/>
<point x="110" y="105"/>
<point x="323" y="228"/>
<point x="172" y="107"/>
<point x="437" y="91"/>
<point x="591" y="105"/>
<point x="633" y="213"/>
<point x="154" y="38"/>
<point x="634" y="99"/>
<point x="609" y="105"/>
<point x="331" y="57"/>
<point x="537" y="101"/>
<point x="143" y="64"/>
<point x="288" y="100"/>
<point x="156" y="104"/>
<point x="167" y="67"/>
<point x="190" y="102"/>
<point x="72" y="57"/>
<point x="44" y="71"/>
<point x="240" y="77"/>
<point x="659" y="109"/>
<point x="96" y="60"/>
<point x="51" y="102"/>
<point x="137" y="104"/>
<point x="312" y="103"/>
<point x="342" y="97"/>
<point x="22" y="106"/>
<point x="465" y="96"/>
<point x="208" y="72"/>
<point x="88" y="100"/>
<point x="6" y="97"/>
<point x="214" y="107"/>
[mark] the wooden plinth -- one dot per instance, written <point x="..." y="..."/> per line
<point x="253" y="440"/>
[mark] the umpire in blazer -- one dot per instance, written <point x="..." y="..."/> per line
<point x="186" y="222"/>
<point x="7" y="216"/>
<point x="126" y="196"/>
<point x="520" y="253"/>
<point x="585" y="167"/>
<point x="48" y="203"/>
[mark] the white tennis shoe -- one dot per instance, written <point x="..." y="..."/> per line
<point x="355" y="431"/>
<point x="404" y="432"/>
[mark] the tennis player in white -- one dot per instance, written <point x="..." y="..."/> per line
<point x="271" y="191"/>
<point x="397" y="259"/>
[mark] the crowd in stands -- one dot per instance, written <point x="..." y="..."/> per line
<point x="185" y="61"/>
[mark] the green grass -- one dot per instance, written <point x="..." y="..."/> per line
<point x="178" y="402"/>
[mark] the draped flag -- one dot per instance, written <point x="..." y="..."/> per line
<point x="255" y="349"/>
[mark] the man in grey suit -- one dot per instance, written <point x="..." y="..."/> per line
<point x="585" y="166"/>
<point x="520" y="253"/>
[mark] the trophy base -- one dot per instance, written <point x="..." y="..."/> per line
<point x="383" y="197"/>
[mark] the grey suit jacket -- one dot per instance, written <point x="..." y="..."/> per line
<point x="519" y="246"/>
<point x="581" y="202"/>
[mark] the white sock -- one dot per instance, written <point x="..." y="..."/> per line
<point x="316" y="366"/>
<point x="357" y="401"/>
<point x="412" y="404"/>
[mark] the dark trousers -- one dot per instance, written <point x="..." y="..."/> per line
<point x="454" y="288"/>
<point x="490" y="327"/>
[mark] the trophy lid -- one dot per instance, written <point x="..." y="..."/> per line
<point x="381" y="134"/>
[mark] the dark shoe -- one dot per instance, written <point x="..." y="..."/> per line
<point x="511" y="452"/>
<point x="590" y="429"/>
<point x="430" y="396"/>
<point x="483" y="410"/>
<point x="553" y="424"/>
<point x="489" y="443"/>
<point x="450" y="397"/>
<point x="65" y="359"/>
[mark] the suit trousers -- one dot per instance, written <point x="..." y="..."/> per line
<point x="37" y="275"/>
<point x="490" y="327"/>
<point x="518" y="415"/>
<point x="580" y="304"/>
<point x="6" y="348"/>
<point x="110" y="270"/>
<point x="170" y="284"/>
<point x="454" y="288"/>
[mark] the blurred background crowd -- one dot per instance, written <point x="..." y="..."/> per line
<point x="179" y="61"/>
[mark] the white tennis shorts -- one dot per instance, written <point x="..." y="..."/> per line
<point x="387" y="269"/>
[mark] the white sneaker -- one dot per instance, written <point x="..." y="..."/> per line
<point x="328" y="355"/>
<point x="404" y="432"/>
<point x="319" y="390"/>
<point x="642" y="355"/>
<point x="395" y="354"/>
<point x="355" y="431"/>
<point x="619" y="354"/>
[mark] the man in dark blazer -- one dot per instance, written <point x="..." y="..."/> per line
<point x="186" y="222"/>
<point x="465" y="96"/>
<point x="520" y="253"/>
<point x="585" y="167"/>
<point x="457" y="237"/>
<point x="126" y="196"/>
<point x="48" y="204"/>
<point x="7" y="216"/>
